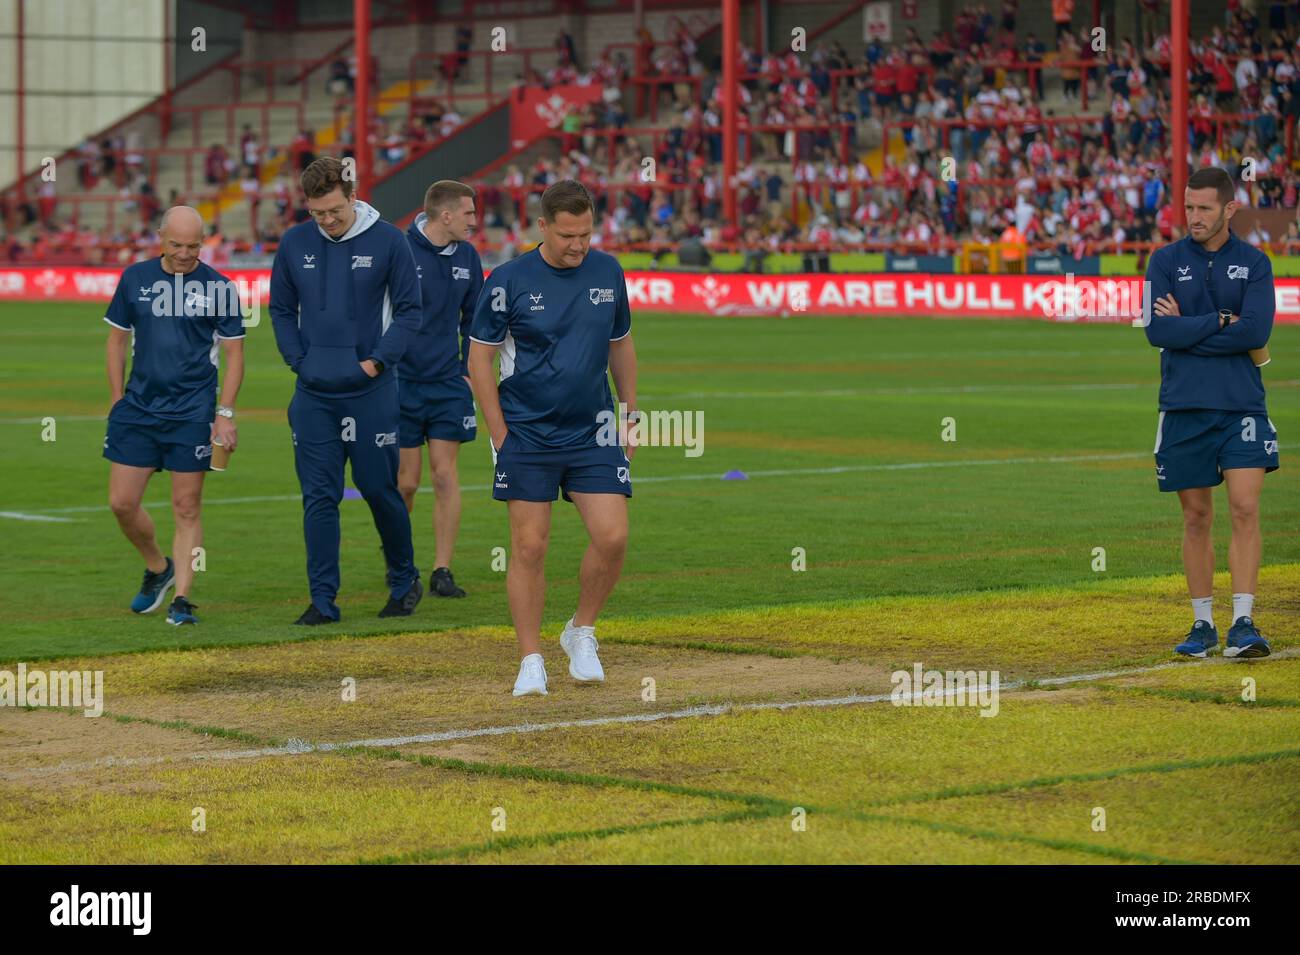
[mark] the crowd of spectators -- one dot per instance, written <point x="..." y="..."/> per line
<point x="984" y="127"/>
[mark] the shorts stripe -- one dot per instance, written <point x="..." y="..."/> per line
<point x="1160" y="428"/>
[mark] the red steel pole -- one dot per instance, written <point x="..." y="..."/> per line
<point x="20" y="98"/>
<point x="361" y="116"/>
<point x="1178" y="107"/>
<point x="730" y="44"/>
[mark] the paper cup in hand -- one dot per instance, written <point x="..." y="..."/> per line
<point x="1260" y="356"/>
<point x="220" y="456"/>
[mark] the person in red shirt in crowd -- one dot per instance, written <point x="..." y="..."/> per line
<point x="1202" y="123"/>
<point x="908" y="77"/>
<point x="302" y="151"/>
<point x="884" y="82"/>
<point x="1165" y="221"/>
<point x="1225" y="84"/>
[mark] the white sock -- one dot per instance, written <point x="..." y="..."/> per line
<point x="1243" y="605"/>
<point x="1201" y="607"/>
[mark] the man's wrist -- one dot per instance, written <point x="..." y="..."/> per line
<point x="225" y="411"/>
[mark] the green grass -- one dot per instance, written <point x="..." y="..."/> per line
<point x="970" y="554"/>
<point x="777" y="395"/>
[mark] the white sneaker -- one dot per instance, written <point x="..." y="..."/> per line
<point x="580" y="644"/>
<point x="532" y="676"/>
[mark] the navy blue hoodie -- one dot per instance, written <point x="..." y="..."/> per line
<point x="1201" y="366"/>
<point x="338" y="302"/>
<point x="451" y="277"/>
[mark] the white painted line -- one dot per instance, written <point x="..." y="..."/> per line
<point x="936" y="390"/>
<point x="297" y="747"/>
<point x="781" y="472"/>
<point x="20" y="516"/>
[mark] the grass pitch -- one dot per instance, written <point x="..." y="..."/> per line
<point x="978" y="553"/>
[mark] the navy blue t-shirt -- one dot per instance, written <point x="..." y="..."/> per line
<point x="554" y="327"/>
<point x="176" y="322"/>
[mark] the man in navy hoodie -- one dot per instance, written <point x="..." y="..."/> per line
<point x="345" y="304"/>
<point x="1212" y="303"/>
<point x="433" y="384"/>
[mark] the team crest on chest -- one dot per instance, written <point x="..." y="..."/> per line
<point x="598" y="295"/>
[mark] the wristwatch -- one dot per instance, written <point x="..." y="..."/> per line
<point x="1225" y="316"/>
<point x="379" y="366"/>
<point x="225" y="411"/>
<point x="632" y="417"/>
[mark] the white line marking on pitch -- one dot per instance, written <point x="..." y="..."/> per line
<point x="779" y="472"/>
<point x="936" y="390"/>
<point x="20" y="516"/>
<point x="296" y="747"/>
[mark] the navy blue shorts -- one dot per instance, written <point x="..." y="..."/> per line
<point x="141" y="440"/>
<point x="1194" y="448"/>
<point x="523" y="475"/>
<point x="442" y="410"/>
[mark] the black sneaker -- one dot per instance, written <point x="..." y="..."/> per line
<point x="442" y="584"/>
<point x="406" y="606"/>
<point x="312" y="617"/>
<point x="181" y="612"/>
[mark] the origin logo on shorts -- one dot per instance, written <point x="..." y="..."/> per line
<point x="598" y="295"/>
<point x="467" y="422"/>
<point x="382" y="440"/>
<point x="202" y="451"/>
<point x="501" y="480"/>
<point x="624" y="476"/>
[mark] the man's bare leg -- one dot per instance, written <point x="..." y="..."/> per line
<point x="1198" y="547"/>
<point x="605" y="517"/>
<point x="446" y="499"/>
<point x="408" y="475"/>
<point x="1246" y="549"/>
<point x="530" y="532"/>
<point x="126" y="486"/>
<point x="187" y="502"/>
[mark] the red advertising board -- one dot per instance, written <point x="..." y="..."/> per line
<point x="1072" y="298"/>
<point x="534" y="111"/>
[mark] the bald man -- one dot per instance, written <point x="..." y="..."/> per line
<point x="170" y="313"/>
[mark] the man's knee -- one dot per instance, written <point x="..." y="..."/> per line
<point x="186" y="507"/>
<point x="1198" y="518"/>
<point x="528" y="548"/>
<point x="1244" y="512"/>
<point x="408" y="485"/>
<point x="123" y="505"/>
<point x="610" y="542"/>
<point x="445" y="479"/>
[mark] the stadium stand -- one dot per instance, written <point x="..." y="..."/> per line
<point x="1004" y="128"/>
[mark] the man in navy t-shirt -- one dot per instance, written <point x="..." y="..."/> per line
<point x="558" y="316"/>
<point x="1212" y="312"/>
<point x="433" y="384"/>
<point x="172" y="314"/>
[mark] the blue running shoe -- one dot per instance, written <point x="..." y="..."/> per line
<point x="181" y="612"/>
<point x="153" y="590"/>
<point x="1245" y="641"/>
<point x="1200" y="641"/>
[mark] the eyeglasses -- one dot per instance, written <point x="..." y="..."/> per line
<point x="335" y="213"/>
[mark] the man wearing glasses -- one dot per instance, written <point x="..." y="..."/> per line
<point x="345" y="303"/>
